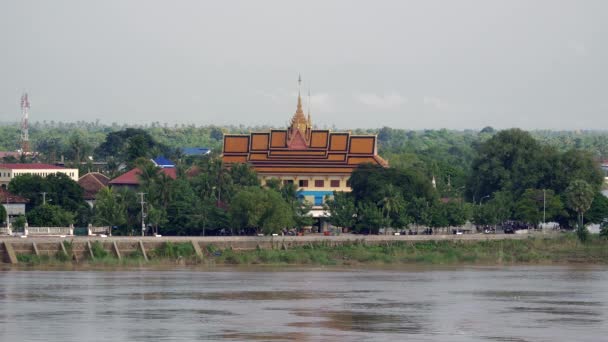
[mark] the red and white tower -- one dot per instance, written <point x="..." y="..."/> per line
<point x="25" y="113"/>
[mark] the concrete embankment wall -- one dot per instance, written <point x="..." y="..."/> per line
<point x="79" y="247"/>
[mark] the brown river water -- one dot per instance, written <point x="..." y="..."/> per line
<point x="520" y="303"/>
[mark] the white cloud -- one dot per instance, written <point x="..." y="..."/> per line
<point x="385" y="101"/>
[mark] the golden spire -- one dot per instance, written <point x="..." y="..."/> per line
<point x="299" y="109"/>
<point x="299" y="121"/>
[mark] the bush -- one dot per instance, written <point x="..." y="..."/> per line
<point x="175" y="250"/>
<point x="98" y="251"/>
<point x="582" y="233"/>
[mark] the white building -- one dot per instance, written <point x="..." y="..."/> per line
<point x="10" y="171"/>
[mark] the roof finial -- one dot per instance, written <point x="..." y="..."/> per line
<point x="299" y="108"/>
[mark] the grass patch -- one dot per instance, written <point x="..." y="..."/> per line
<point x="564" y="249"/>
<point x="98" y="251"/>
<point x="170" y="250"/>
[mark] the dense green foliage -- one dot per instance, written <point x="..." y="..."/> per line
<point x="64" y="203"/>
<point x="2" y="214"/>
<point x="484" y="176"/>
<point x="47" y="215"/>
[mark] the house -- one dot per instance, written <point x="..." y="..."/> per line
<point x="131" y="179"/>
<point x="92" y="183"/>
<point x="195" y="151"/>
<point x="10" y="171"/>
<point x="162" y="162"/>
<point x="14" y="204"/>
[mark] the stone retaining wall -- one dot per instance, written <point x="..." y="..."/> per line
<point x="126" y="245"/>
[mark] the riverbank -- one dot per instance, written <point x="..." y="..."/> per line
<point x="559" y="249"/>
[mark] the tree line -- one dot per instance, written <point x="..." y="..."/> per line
<point x="512" y="177"/>
<point x="437" y="179"/>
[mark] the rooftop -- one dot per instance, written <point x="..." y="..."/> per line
<point x="91" y="183"/>
<point x="33" y="166"/>
<point x="195" y="151"/>
<point x="131" y="177"/>
<point x="7" y="197"/>
<point x="163" y="162"/>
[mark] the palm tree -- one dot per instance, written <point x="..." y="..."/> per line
<point x="391" y="203"/>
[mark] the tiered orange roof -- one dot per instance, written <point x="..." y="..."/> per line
<point x="301" y="149"/>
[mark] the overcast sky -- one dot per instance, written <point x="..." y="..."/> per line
<point x="403" y="64"/>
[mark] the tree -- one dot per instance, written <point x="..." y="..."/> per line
<point x="533" y="203"/>
<point x="243" y="175"/>
<point x="20" y="222"/>
<point x="598" y="212"/>
<point x="156" y="217"/>
<point x="370" y="218"/>
<point x="47" y="215"/>
<point x="129" y="200"/>
<point x="402" y="195"/>
<point x="341" y="209"/>
<point x="508" y="161"/>
<point x="3" y="214"/>
<point x="182" y="215"/>
<point x="64" y="192"/>
<point x="392" y="203"/>
<point x="29" y="186"/>
<point x="579" y="196"/>
<point x="128" y="145"/>
<point x="59" y="190"/>
<point x="370" y="182"/>
<point x="604" y="230"/>
<point x="576" y="164"/>
<point x="260" y="208"/>
<point x="109" y="211"/>
<point x="216" y="134"/>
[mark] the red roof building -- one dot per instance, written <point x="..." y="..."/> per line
<point x="32" y="166"/>
<point x="131" y="178"/>
<point x="12" y="170"/>
<point x="7" y="197"/>
<point x="92" y="183"/>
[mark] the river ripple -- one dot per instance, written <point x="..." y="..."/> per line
<point x="535" y="303"/>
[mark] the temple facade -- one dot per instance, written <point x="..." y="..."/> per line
<point x="318" y="162"/>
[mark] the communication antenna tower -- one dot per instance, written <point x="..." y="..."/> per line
<point x="25" y="113"/>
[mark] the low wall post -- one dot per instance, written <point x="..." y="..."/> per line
<point x="90" y="248"/>
<point x="115" y="247"/>
<point x="143" y="250"/>
<point x="12" y="257"/>
<point x="65" y="252"/>
<point x="197" y="249"/>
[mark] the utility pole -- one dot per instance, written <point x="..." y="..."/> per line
<point x="143" y="215"/>
<point x="25" y="138"/>
<point x="8" y="219"/>
<point x="544" y="208"/>
<point x="43" y="198"/>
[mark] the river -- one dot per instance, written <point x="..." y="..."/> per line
<point x="520" y="303"/>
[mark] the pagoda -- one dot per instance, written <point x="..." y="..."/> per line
<point x="317" y="161"/>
